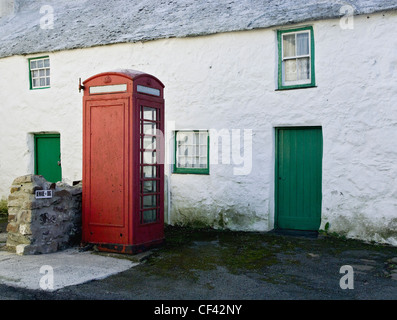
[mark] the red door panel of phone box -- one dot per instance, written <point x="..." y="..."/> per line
<point x="123" y="161"/>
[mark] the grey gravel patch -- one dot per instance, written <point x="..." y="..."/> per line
<point x="362" y="267"/>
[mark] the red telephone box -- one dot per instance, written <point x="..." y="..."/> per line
<point x="123" y="161"/>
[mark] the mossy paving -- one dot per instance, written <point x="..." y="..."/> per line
<point x="188" y="251"/>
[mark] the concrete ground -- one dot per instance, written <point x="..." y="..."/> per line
<point x="214" y="265"/>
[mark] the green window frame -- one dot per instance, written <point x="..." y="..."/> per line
<point x="192" y="152"/>
<point x="39" y="73"/>
<point x="296" y="68"/>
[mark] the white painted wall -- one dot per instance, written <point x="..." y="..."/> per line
<point x="228" y="81"/>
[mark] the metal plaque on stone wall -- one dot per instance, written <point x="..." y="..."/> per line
<point x="43" y="194"/>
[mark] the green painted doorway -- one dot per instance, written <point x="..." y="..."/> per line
<point x="48" y="156"/>
<point x="298" y="185"/>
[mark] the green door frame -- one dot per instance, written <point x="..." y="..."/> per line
<point x="277" y="176"/>
<point x="36" y="155"/>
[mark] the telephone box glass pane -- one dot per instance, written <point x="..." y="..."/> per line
<point x="149" y="172"/>
<point x="149" y="216"/>
<point x="149" y="128"/>
<point x="149" y="186"/>
<point x="149" y="202"/>
<point x="148" y="90"/>
<point x="150" y="114"/>
<point x="149" y="142"/>
<point x="149" y="157"/>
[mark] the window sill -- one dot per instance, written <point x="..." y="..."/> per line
<point x="40" y="88"/>
<point x="296" y="87"/>
<point x="187" y="171"/>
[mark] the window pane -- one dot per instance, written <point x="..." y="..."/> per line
<point x="203" y="138"/>
<point x="149" y="186"/>
<point x="149" y="202"/>
<point x="303" y="69"/>
<point x="189" y="151"/>
<point x="183" y="137"/>
<point x="149" y="128"/>
<point x="149" y="172"/>
<point x="302" y="43"/>
<point x="149" y="142"/>
<point x="290" y="70"/>
<point x="47" y="72"/>
<point x="289" y="45"/>
<point x="33" y="64"/>
<point x="149" y="114"/>
<point x="182" y="150"/>
<point x="203" y="162"/>
<point x="42" y="82"/>
<point x="47" y="63"/>
<point x="42" y="73"/>
<point x="149" y="216"/>
<point x="35" y="83"/>
<point x="35" y="74"/>
<point x="149" y="157"/>
<point x="40" y="64"/>
<point x="192" y="149"/>
<point x="47" y="82"/>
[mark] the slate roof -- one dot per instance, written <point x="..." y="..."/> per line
<point x="87" y="23"/>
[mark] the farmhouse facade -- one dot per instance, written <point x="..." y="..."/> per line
<point x="279" y="114"/>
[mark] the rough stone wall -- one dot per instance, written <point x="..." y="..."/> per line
<point x="43" y="225"/>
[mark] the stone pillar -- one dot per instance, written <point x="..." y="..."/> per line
<point x="43" y="225"/>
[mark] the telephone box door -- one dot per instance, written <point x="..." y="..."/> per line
<point x="107" y="154"/>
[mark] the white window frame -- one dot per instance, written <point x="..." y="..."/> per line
<point x="201" y="156"/>
<point x="283" y="84"/>
<point x="43" y="73"/>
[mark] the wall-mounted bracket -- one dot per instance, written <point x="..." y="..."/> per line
<point x="81" y="87"/>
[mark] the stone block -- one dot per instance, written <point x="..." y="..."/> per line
<point x="24" y="179"/>
<point x="24" y="229"/>
<point x="25" y="249"/>
<point x="17" y="203"/>
<point x="15" y="189"/>
<point x="12" y="227"/>
<point x="13" y="239"/>
<point x="25" y="216"/>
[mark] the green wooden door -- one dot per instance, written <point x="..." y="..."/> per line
<point x="48" y="156"/>
<point x="298" y="177"/>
